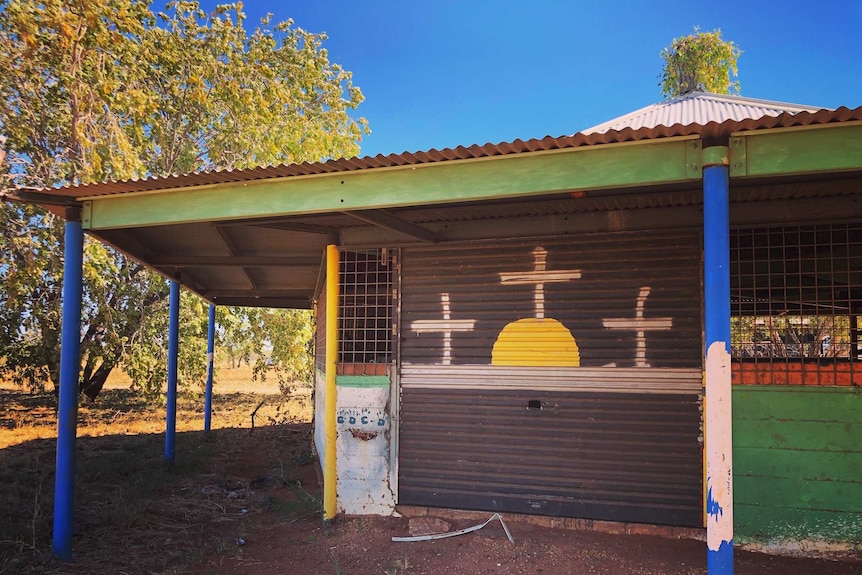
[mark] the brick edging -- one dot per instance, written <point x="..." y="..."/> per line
<point x="570" y="523"/>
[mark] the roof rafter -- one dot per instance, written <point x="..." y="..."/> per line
<point x="233" y="261"/>
<point x="384" y="219"/>
<point x="234" y="251"/>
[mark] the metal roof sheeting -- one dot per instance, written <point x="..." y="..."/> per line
<point x="699" y="108"/>
<point x="638" y="130"/>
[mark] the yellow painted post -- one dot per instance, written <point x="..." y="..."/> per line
<point x="329" y="419"/>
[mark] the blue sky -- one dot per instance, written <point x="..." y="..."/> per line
<point x="442" y="74"/>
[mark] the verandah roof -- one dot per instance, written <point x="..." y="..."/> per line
<point x="709" y="116"/>
<point x="256" y="237"/>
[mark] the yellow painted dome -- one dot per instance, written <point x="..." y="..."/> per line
<point x="536" y="342"/>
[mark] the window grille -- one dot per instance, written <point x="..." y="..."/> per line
<point x="795" y="296"/>
<point x="366" y="316"/>
<point x="320" y="332"/>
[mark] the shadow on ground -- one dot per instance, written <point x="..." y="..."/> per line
<point x="137" y="514"/>
<point x="242" y="501"/>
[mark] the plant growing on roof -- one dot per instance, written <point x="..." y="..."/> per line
<point x="109" y="90"/>
<point x="701" y="62"/>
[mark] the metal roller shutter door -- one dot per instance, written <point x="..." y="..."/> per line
<point x="556" y="376"/>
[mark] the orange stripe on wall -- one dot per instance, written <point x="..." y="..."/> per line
<point x="841" y="374"/>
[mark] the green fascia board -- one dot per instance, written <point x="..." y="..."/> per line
<point x="789" y="151"/>
<point x="604" y="166"/>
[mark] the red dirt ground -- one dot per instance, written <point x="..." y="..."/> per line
<point x="243" y="502"/>
<point x="363" y="546"/>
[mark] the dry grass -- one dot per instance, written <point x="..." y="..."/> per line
<point x="25" y="417"/>
<point x="226" y="380"/>
<point x="134" y="512"/>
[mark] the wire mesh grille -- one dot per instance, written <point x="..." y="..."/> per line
<point x="366" y="326"/>
<point x="320" y="333"/>
<point x="795" y="296"/>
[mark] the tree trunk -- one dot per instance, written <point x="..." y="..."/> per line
<point x="92" y="386"/>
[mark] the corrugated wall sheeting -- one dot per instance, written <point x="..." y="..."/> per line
<point x="319" y="415"/>
<point x="797" y="460"/>
<point x="320" y="377"/>
<point x="320" y="332"/>
<point x="612" y="270"/>
<point x="591" y="409"/>
<point x="611" y="456"/>
<point x="618" y="379"/>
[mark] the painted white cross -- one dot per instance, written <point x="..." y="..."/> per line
<point x="641" y="325"/>
<point x="539" y="277"/>
<point x="446" y="326"/>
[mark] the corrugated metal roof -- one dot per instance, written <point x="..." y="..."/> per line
<point x="699" y="108"/>
<point x="703" y="126"/>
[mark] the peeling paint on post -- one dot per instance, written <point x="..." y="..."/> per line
<point x="718" y="415"/>
<point x="719" y="499"/>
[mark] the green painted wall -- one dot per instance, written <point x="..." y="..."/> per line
<point x="797" y="461"/>
<point x="362" y="380"/>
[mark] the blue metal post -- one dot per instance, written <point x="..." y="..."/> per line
<point x="173" y="349"/>
<point x="70" y="365"/>
<point x="208" y="398"/>
<point x="717" y="377"/>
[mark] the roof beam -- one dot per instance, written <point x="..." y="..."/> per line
<point x="531" y="226"/>
<point x="812" y="149"/>
<point x="43" y="199"/>
<point x="131" y="245"/>
<point x="607" y="166"/>
<point x="187" y="279"/>
<point x="387" y="221"/>
<point x="234" y="251"/>
<point x="265" y="292"/>
<point x="300" y="227"/>
<point x="289" y="303"/>
<point x="233" y="261"/>
<point x="255" y="293"/>
<point x="281" y="223"/>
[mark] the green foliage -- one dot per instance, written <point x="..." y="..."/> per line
<point x="216" y="96"/>
<point x="61" y="64"/>
<point x="291" y="334"/>
<point x="29" y="341"/>
<point x="107" y="89"/>
<point x="146" y="360"/>
<point x="118" y="294"/>
<point x="790" y="335"/>
<point x="701" y="61"/>
<point x="278" y="340"/>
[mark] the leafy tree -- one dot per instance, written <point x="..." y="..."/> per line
<point x="146" y="361"/>
<point x="107" y="89"/>
<point x="278" y="340"/>
<point x="701" y="61"/>
<point x="235" y="337"/>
